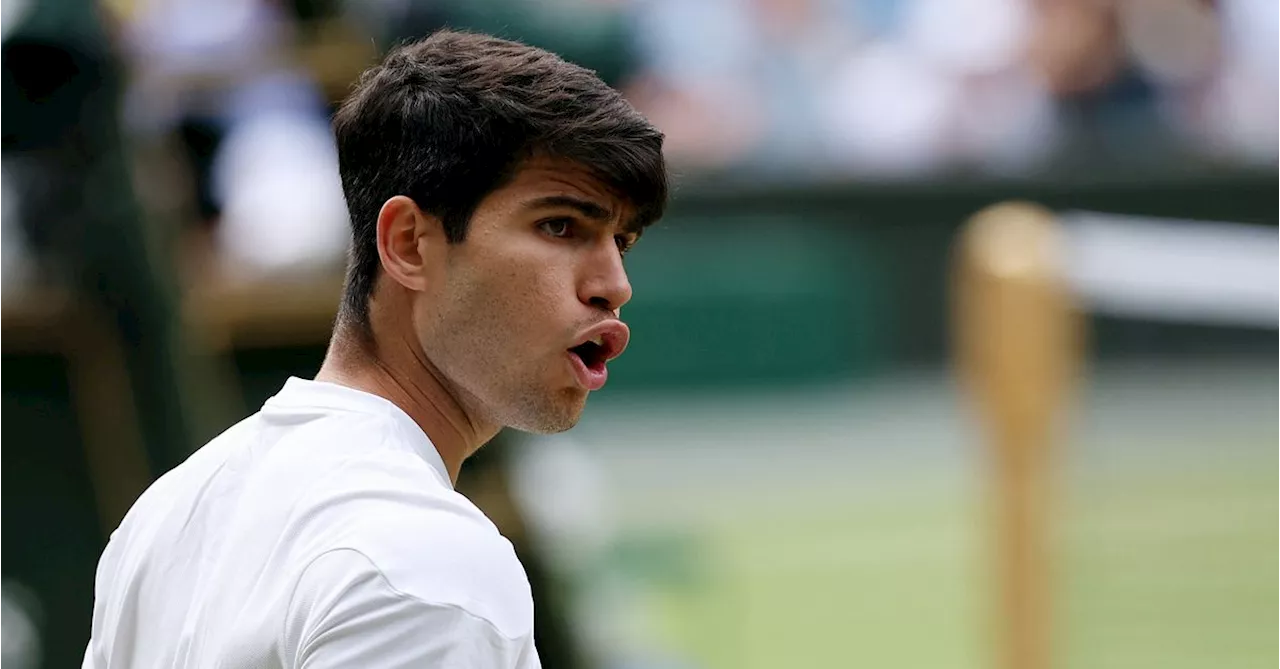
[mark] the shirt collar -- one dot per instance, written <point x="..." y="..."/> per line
<point x="324" y="395"/>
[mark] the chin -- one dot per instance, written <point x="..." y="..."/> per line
<point x="548" y="424"/>
<point x="546" y="428"/>
<point x="558" y="414"/>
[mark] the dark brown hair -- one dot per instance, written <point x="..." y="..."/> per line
<point x="448" y="119"/>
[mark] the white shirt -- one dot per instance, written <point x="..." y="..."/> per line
<point x="320" y="532"/>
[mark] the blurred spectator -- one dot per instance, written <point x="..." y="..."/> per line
<point x="876" y="88"/>
<point x="254" y="123"/>
<point x="591" y="33"/>
<point x="733" y="80"/>
<point x="1235" y="109"/>
<point x="795" y="88"/>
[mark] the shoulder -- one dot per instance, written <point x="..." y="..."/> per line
<point x="345" y="611"/>
<point x="428" y="541"/>
<point x="166" y="491"/>
<point x="450" y="555"/>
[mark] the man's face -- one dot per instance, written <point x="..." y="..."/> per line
<point x="539" y="273"/>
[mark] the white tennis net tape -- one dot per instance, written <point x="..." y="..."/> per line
<point x="1175" y="270"/>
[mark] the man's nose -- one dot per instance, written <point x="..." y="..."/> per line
<point x="607" y="286"/>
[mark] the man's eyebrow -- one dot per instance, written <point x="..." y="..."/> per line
<point x="587" y="208"/>
<point x="634" y="226"/>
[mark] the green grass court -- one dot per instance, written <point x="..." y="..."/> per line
<point x="781" y="549"/>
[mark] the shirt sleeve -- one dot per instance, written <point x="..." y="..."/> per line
<point x="344" y="613"/>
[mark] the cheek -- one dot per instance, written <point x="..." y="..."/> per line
<point x="507" y="311"/>
<point x="506" y="308"/>
<point x="532" y="280"/>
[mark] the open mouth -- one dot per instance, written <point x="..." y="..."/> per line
<point x="592" y="354"/>
<point x="597" y="347"/>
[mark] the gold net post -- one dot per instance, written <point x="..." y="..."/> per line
<point x="1017" y="347"/>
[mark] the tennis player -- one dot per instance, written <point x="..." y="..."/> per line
<point x="493" y="190"/>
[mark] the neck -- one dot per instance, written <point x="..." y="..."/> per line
<point x="396" y="369"/>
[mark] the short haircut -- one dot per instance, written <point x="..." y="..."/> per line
<point x="448" y="119"/>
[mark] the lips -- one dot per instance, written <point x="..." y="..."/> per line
<point x="595" y="347"/>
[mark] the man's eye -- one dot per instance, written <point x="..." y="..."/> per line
<point x="624" y="243"/>
<point x="558" y="227"/>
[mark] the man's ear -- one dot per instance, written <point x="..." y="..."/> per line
<point x="406" y="235"/>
